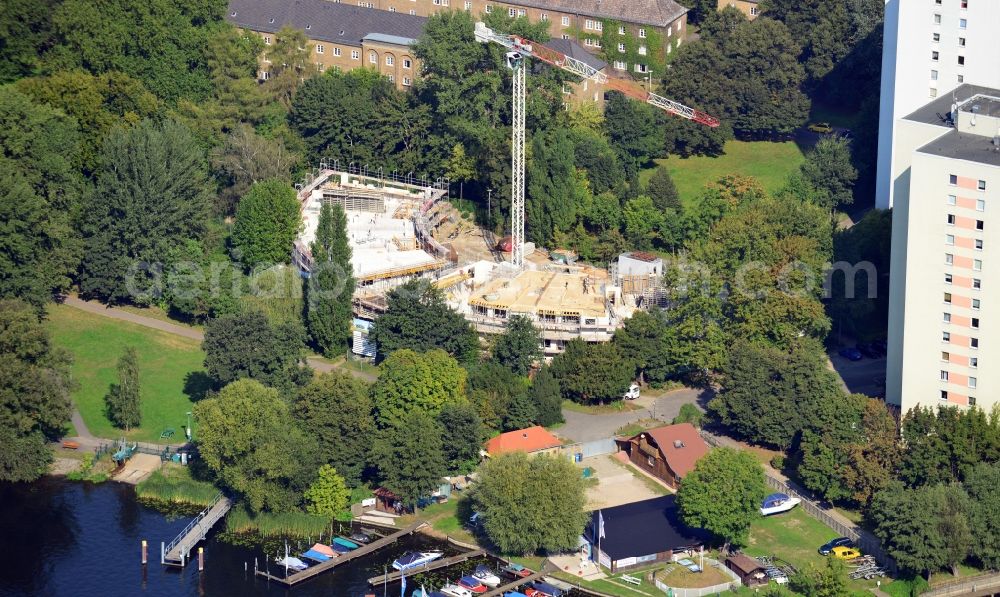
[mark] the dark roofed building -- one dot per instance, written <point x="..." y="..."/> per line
<point x="668" y="453"/>
<point x="640" y="533"/>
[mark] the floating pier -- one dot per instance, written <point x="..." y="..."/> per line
<point x="517" y="583"/>
<point x="178" y="552"/>
<point x="297" y="577"/>
<point x="434" y="565"/>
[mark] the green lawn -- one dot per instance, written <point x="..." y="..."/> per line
<point x="768" y="162"/>
<point x="164" y="362"/>
<point x="600" y="409"/>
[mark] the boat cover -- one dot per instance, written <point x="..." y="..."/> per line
<point x="345" y="543"/>
<point x="547" y="588"/>
<point x="312" y="554"/>
<point x="514" y="594"/>
<point x="340" y="548"/>
<point x="775" y="499"/>
<point x="325" y="550"/>
<point x="469" y="582"/>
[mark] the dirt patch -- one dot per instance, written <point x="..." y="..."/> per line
<point x="138" y="468"/>
<point x="64" y="466"/>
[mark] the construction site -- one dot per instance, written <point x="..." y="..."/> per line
<point x="400" y="227"/>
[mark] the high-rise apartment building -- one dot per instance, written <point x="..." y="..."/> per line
<point x="944" y="314"/>
<point x="931" y="47"/>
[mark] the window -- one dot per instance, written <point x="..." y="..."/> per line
<point x="961" y="78"/>
<point x="406" y="81"/>
<point x="468" y="6"/>
<point x="640" y="68"/>
<point x="936" y="37"/>
<point x="977" y="284"/>
<point x="981" y="185"/>
<point x="264" y="75"/>
<point x="566" y="90"/>
<point x="437" y="2"/>
<point x="753" y="11"/>
<point x="964" y="4"/>
<point x="977" y="265"/>
<point x="642" y="33"/>
<point x="944" y="376"/>
<point x="489" y="8"/>
<point x="949" y="258"/>
<point x="933" y="92"/>
<point x="565" y="21"/>
<point x="521" y="12"/>
<point x="588" y="24"/>
<point x="935" y="56"/>
<point x="972" y="382"/>
<point x="974" y="342"/>
<point x="407" y="63"/>
<point x="952" y="199"/>
<point x="938" y="2"/>
<point x="598" y="26"/>
<point x="961" y="42"/>
<point x="934" y="75"/>
<point x="392" y="79"/>
<point x="947" y="297"/>
<point x="355" y="55"/>
<point x="975" y="322"/>
<point x="945" y="356"/>
<point x="972" y="400"/>
<point x="951" y="219"/>
<point x="961" y="60"/>
<point x="621" y="30"/>
<point x="962" y="23"/>
<point x="946" y="336"/>
<point x="320" y="66"/>
<point x="267" y="40"/>
<point x="642" y="50"/>
<point x="937" y="19"/>
<point x="413" y="13"/>
<point x="336" y="51"/>
<point x="389" y="61"/>
<point x="947" y="317"/>
<point x="979" y="244"/>
<point x="511" y="13"/>
<point x="974" y="362"/>
<point x="980" y="205"/>
<point x="975" y="304"/>
<point x="373" y="57"/>
<point x="621" y="48"/>
<point x="953" y="179"/>
<point x="650" y="461"/>
<point x="320" y="49"/>
<point x="597" y="43"/>
<point x="565" y="36"/>
<point x="944" y="394"/>
<point x="545" y="16"/>
<point x="949" y="239"/>
<point x="619" y="65"/>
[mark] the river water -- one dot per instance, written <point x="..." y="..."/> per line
<point x="65" y="538"/>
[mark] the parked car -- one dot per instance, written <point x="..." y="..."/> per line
<point x="881" y="345"/>
<point x="632" y="393"/>
<point x="869" y="351"/>
<point x="820" y="127"/>
<point x="826" y="548"/>
<point x="851" y="354"/>
<point x="845" y="553"/>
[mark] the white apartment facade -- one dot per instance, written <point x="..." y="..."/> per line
<point x="944" y="313"/>
<point x="930" y="48"/>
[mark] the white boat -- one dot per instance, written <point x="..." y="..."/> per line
<point x="486" y="576"/>
<point x="456" y="591"/>
<point x="777" y="503"/>
<point x="414" y="559"/>
<point x="291" y="562"/>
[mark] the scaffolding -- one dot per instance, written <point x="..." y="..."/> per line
<point x="354" y="198"/>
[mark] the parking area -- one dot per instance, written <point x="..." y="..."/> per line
<point x="865" y="376"/>
<point x="616" y="485"/>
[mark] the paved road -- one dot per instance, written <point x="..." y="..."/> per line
<point x="184" y="331"/>
<point x="582" y="427"/>
<point x="866" y="376"/>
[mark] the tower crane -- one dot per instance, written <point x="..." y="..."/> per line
<point x="519" y="49"/>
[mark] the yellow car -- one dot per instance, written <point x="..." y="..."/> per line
<point x="845" y="553"/>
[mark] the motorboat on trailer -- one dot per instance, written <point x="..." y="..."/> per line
<point x="414" y="559"/>
<point x="777" y="503"/>
<point x="485" y="575"/>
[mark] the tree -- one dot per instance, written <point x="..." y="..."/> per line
<point x="328" y="495"/>
<point x="551" y="189"/>
<point x="521" y="413"/>
<point x="25" y="26"/>
<point x="410" y="381"/>
<point x="462" y="438"/>
<point x="410" y="457"/>
<point x="418" y="318"/>
<point x="633" y="130"/>
<point x="822" y="581"/>
<point x="290" y="64"/>
<point x="723" y="494"/>
<point x="829" y="170"/>
<point x="528" y="504"/>
<point x="546" y="395"/>
<point x="330" y="286"/>
<point x="248" y="439"/>
<point x="662" y="191"/>
<point x="245" y="158"/>
<point x="336" y="410"/>
<point x="592" y="372"/>
<point x="643" y="221"/>
<point x="123" y="400"/>
<point x="491" y="389"/>
<point x="246" y="345"/>
<point x="35" y="384"/>
<point x="641" y="338"/>
<point x="983" y="486"/>
<point x="267" y="220"/>
<point x="871" y="461"/>
<point x="152" y="195"/>
<point x="519" y="346"/>
<point x="689" y="413"/>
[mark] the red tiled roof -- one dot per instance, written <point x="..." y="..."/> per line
<point x="680" y="459"/>
<point x="528" y="440"/>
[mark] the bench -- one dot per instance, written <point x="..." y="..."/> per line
<point x="630" y="579"/>
<point x="71" y="445"/>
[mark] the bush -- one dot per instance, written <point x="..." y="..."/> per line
<point x="778" y="462"/>
<point x="906" y="587"/>
<point x="689" y="413"/>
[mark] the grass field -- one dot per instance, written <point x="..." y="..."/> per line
<point x="768" y="162"/>
<point x="164" y="363"/>
<point x="173" y="483"/>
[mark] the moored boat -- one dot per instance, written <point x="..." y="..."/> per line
<point x="413" y="559"/>
<point x="345" y="543"/>
<point x="456" y="591"/>
<point x="516" y="570"/>
<point x="291" y="562"/>
<point x="485" y="575"/>
<point x="472" y="583"/>
<point x="543" y="589"/>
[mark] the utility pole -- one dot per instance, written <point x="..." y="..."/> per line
<point x="489" y="208"/>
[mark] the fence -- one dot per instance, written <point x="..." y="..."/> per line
<point x="593" y="448"/>
<point x="713" y="590"/>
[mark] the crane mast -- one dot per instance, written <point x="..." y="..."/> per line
<point x="519" y="50"/>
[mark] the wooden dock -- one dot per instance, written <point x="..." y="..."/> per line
<point x="516" y="584"/>
<point x="436" y="564"/>
<point x="178" y="551"/>
<point x="297" y="577"/>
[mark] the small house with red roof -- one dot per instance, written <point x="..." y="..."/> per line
<point x="532" y="441"/>
<point x="668" y="453"/>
